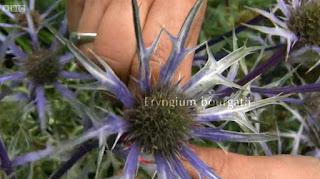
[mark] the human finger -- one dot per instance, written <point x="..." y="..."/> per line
<point x="230" y="165"/>
<point x="115" y="42"/>
<point x="74" y="10"/>
<point x="93" y="13"/>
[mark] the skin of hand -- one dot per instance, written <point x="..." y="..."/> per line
<point x="112" y="20"/>
<point x="235" y="166"/>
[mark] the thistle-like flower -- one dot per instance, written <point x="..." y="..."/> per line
<point x="28" y="18"/>
<point x="300" y="24"/>
<point x="39" y="68"/>
<point x="304" y="20"/>
<point x="161" y="121"/>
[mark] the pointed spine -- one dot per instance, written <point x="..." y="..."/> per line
<point x="178" y="52"/>
<point x="144" y="54"/>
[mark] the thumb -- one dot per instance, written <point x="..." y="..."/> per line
<point x="171" y="15"/>
<point x="230" y="165"/>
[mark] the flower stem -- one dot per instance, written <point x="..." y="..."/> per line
<point x="287" y="90"/>
<point x="82" y="151"/>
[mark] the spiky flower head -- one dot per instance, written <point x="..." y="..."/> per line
<point x="22" y="20"/>
<point x="305" y="22"/>
<point x="38" y="68"/>
<point x="161" y="121"/>
<point x="300" y="23"/>
<point x="30" y="20"/>
<point x="42" y="67"/>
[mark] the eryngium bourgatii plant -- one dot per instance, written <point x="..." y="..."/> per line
<point x="37" y="69"/>
<point x="30" y="20"/>
<point x="25" y="21"/>
<point x="152" y="127"/>
<point x="300" y="24"/>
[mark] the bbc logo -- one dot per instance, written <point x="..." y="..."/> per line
<point x="13" y="8"/>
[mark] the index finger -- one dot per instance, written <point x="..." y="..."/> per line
<point x="74" y="10"/>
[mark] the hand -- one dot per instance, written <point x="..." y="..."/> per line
<point x="230" y="165"/>
<point x="112" y="20"/>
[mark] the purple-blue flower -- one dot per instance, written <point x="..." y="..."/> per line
<point x="153" y="126"/>
<point x="300" y="24"/>
<point x="37" y="69"/>
<point x="30" y="21"/>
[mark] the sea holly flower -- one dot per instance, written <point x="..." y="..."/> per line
<point x="300" y="24"/>
<point x="161" y="120"/>
<point x="28" y="16"/>
<point x="39" y="68"/>
<point x="29" y="19"/>
<point x="304" y="21"/>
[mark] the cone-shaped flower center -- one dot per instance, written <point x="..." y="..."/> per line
<point x="35" y="16"/>
<point x="43" y="67"/>
<point x="305" y="22"/>
<point x="161" y="121"/>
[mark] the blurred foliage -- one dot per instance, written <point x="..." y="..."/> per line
<point x="223" y="15"/>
